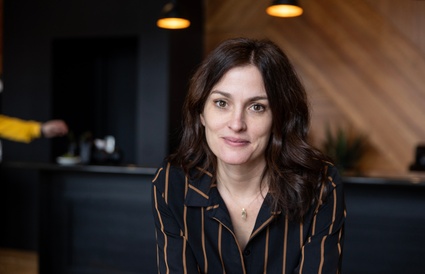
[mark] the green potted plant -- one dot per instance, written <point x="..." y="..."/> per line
<point x="345" y="147"/>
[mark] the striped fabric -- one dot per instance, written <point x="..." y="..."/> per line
<point x="194" y="232"/>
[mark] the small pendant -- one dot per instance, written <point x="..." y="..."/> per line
<point x="244" y="214"/>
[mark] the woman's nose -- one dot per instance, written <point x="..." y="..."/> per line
<point x="237" y="121"/>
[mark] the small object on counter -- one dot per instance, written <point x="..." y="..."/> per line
<point x="100" y="144"/>
<point x="419" y="164"/>
<point x="68" y="160"/>
<point x="86" y="146"/>
<point x="109" y="144"/>
<point x="85" y="152"/>
<point x="106" y="151"/>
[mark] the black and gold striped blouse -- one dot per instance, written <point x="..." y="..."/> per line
<point x="194" y="232"/>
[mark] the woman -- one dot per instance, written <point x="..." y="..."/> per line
<point x="245" y="192"/>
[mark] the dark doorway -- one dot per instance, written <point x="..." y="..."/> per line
<point x="95" y="89"/>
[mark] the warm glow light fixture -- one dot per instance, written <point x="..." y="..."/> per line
<point x="284" y="8"/>
<point x="171" y="17"/>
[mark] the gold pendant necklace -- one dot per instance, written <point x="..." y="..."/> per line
<point x="244" y="213"/>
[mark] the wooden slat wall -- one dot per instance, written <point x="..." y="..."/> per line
<point x="362" y="61"/>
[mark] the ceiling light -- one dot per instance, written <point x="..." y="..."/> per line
<point x="284" y="8"/>
<point x="171" y="17"/>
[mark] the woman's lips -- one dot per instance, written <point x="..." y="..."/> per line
<point x="235" y="141"/>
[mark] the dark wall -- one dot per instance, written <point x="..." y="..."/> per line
<point x="95" y="91"/>
<point x="30" y="29"/>
<point x="164" y="62"/>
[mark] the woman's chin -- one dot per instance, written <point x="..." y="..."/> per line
<point x="234" y="161"/>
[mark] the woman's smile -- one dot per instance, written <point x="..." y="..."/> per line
<point x="235" y="141"/>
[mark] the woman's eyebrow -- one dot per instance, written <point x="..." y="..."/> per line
<point x="222" y="93"/>
<point x="258" y="98"/>
<point x="228" y="95"/>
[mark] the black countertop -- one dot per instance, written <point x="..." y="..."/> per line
<point x="401" y="180"/>
<point x="124" y="169"/>
<point x="408" y="178"/>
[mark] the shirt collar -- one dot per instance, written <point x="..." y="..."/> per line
<point x="199" y="190"/>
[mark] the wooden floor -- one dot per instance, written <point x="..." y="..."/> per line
<point x="18" y="262"/>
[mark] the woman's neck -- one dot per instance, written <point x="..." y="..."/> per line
<point x="241" y="179"/>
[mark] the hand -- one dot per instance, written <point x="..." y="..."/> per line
<point x="54" y="128"/>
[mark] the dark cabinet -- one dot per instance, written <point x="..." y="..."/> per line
<point x="384" y="231"/>
<point x="96" y="222"/>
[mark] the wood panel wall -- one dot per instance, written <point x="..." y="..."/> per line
<point x="362" y="62"/>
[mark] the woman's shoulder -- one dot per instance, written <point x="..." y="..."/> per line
<point x="169" y="172"/>
<point x="332" y="173"/>
<point x="166" y="171"/>
<point x="169" y="179"/>
<point x="174" y="183"/>
<point x="331" y="185"/>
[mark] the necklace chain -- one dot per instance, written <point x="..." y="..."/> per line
<point x="244" y="213"/>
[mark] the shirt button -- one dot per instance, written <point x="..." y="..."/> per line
<point x="247" y="252"/>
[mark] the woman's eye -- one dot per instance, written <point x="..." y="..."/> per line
<point x="258" y="108"/>
<point x="220" y="103"/>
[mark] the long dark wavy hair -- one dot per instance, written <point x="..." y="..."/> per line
<point x="294" y="169"/>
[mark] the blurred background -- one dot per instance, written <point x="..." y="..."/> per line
<point x="106" y="68"/>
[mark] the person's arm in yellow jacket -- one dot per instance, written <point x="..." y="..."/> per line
<point x="25" y="131"/>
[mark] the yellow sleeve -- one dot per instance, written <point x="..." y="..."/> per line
<point x="19" y="130"/>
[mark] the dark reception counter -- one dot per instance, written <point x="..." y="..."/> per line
<point x="97" y="219"/>
<point x="372" y="178"/>
<point x="124" y="169"/>
<point x="385" y="224"/>
<point x="93" y="219"/>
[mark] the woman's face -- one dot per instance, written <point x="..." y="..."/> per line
<point x="237" y="117"/>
